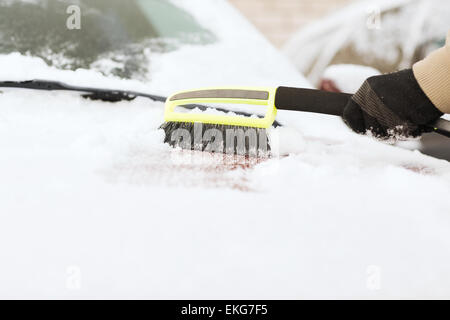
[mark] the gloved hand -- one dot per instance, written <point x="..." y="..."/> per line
<point x="391" y="106"/>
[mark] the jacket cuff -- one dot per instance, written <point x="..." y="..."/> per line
<point x="433" y="76"/>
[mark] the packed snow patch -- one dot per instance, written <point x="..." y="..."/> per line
<point x="349" y="77"/>
<point x="284" y="141"/>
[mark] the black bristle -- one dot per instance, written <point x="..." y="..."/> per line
<point x="247" y="141"/>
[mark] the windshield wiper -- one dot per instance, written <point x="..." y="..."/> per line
<point x="106" y="95"/>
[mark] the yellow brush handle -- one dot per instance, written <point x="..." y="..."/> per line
<point x="227" y="95"/>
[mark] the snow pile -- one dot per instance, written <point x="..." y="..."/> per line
<point x="94" y="205"/>
<point x="387" y="34"/>
<point x="404" y="32"/>
<point x="348" y="77"/>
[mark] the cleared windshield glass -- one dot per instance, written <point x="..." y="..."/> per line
<point x="114" y="36"/>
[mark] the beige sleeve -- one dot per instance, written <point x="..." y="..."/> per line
<point x="433" y="76"/>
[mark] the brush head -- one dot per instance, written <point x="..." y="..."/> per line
<point x="218" y="138"/>
<point x="229" y="133"/>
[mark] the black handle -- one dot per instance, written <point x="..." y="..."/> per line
<point x="311" y="100"/>
<point x="332" y="103"/>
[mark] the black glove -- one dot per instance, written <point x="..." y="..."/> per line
<point x="391" y="105"/>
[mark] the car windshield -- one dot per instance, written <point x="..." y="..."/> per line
<point x="113" y="36"/>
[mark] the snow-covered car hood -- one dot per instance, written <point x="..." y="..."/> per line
<point x="94" y="205"/>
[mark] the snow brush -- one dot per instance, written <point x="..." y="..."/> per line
<point x="234" y="134"/>
<point x="247" y="134"/>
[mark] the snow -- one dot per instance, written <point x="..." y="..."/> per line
<point x="94" y="205"/>
<point x="388" y="34"/>
<point x="348" y="77"/>
<point x="329" y="34"/>
<point x="408" y="28"/>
